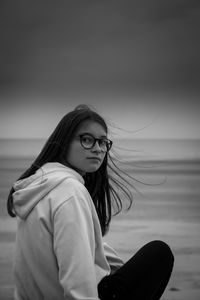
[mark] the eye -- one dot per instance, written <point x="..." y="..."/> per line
<point x="87" y="139"/>
<point x="103" y="142"/>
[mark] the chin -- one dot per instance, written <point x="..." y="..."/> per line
<point x="92" y="169"/>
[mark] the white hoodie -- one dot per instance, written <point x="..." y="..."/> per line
<point x="60" y="253"/>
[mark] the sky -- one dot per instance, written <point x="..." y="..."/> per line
<point x="136" y="62"/>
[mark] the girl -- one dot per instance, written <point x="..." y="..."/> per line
<point x="64" y="204"/>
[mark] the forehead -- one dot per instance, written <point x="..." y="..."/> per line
<point x="91" y="127"/>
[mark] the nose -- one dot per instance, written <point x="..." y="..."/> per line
<point x="96" y="147"/>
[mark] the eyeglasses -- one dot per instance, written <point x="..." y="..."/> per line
<point x="88" y="141"/>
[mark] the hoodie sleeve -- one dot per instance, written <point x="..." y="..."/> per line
<point x="112" y="257"/>
<point x="74" y="246"/>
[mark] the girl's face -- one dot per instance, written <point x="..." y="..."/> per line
<point x="86" y="160"/>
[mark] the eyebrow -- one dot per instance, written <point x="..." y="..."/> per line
<point x="89" y="133"/>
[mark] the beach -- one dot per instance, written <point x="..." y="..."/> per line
<point x="167" y="207"/>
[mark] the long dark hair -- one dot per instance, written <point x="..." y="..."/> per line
<point x="104" y="187"/>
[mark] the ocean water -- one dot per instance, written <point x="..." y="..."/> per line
<point x="159" y="149"/>
<point x="134" y="149"/>
<point x="165" y="173"/>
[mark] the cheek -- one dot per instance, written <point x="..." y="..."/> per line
<point x="75" y="156"/>
<point x="70" y="155"/>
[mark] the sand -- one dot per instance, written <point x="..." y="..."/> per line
<point x="127" y="236"/>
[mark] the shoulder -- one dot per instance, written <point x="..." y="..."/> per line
<point x="70" y="190"/>
<point x="72" y="187"/>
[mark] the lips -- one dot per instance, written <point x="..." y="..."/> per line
<point x="94" y="158"/>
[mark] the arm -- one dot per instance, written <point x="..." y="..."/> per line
<point x="74" y="246"/>
<point x="112" y="257"/>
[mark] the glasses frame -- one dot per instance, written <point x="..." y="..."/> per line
<point x="108" y="142"/>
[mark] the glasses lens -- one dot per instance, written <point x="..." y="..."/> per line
<point x="87" y="141"/>
<point x="104" y="144"/>
<point x="109" y="145"/>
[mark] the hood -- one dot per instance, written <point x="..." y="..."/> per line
<point x="29" y="191"/>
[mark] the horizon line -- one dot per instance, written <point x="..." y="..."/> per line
<point x="121" y="138"/>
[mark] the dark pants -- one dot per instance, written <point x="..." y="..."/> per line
<point x="143" y="277"/>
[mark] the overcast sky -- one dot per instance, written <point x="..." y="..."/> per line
<point x="136" y="62"/>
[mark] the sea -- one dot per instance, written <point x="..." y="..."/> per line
<point x="162" y="170"/>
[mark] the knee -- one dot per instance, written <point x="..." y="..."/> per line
<point x="162" y="251"/>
